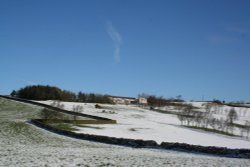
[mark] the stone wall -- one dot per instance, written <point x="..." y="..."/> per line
<point x="218" y="151"/>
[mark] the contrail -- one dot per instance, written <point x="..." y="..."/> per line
<point x="117" y="40"/>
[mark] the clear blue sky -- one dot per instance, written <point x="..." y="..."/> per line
<point x="166" y="47"/>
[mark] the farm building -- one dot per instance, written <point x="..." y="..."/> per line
<point x="122" y="100"/>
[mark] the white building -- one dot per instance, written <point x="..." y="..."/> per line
<point x="122" y="100"/>
<point x="142" y="100"/>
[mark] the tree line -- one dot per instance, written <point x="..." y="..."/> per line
<point x="41" y="92"/>
<point x="161" y="101"/>
<point x="193" y="118"/>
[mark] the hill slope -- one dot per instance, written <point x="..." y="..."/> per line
<point x="138" y="123"/>
<point x="22" y="144"/>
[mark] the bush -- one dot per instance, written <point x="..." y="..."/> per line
<point x="98" y="106"/>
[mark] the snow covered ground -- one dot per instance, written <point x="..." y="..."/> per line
<point x="22" y="144"/>
<point x="221" y="111"/>
<point x="138" y="123"/>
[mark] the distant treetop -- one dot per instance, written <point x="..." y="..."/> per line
<point x="41" y="92"/>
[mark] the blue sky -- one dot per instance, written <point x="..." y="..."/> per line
<point x="191" y="48"/>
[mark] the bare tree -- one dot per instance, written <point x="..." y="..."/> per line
<point x="188" y="109"/>
<point x="232" y="116"/>
<point x="222" y="124"/>
<point x="198" y="118"/>
<point x="50" y="114"/>
<point x="208" y="107"/>
<point x="77" y="108"/>
<point x="247" y="124"/>
<point x="181" y="118"/>
<point x="208" y="114"/>
<point x="57" y="104"/>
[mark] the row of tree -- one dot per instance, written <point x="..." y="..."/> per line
<point x="93" y="98"/>
<point x="161" y="101"/>
<point x="190" y="117"/>
<point x="40" y="92"/>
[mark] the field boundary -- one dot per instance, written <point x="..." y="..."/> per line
<point x="57" y="109"/>
<point x="138" y="143"/>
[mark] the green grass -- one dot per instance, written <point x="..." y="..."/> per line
<point x="211" y="130"/>
<point x="14" y="128"/>
<point x="63" y="126"/>
<point x="14" y="110"/>
<point x="18" y="127"/>
<point x="86" y="126"/>
<point x="71" y="127"/>
<point x="13" y="122"/>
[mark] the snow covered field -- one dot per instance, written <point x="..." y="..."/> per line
<point x="22" y="144"/>
<point x="138" y="123"/>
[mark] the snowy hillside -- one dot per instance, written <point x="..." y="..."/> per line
<point x="22" y="144"/>
<point x="138" y="123"/>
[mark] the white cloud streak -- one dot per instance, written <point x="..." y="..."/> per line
<point x="117" y="40"/>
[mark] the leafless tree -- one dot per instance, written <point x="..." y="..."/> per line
<point x="57" y="104"/>
<point x="77" y="108"/>
<point x="181" y="118"/>
<point x="232" y="116"/>
<point x="247" y="124"/>
<point x="50" y="114"/>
